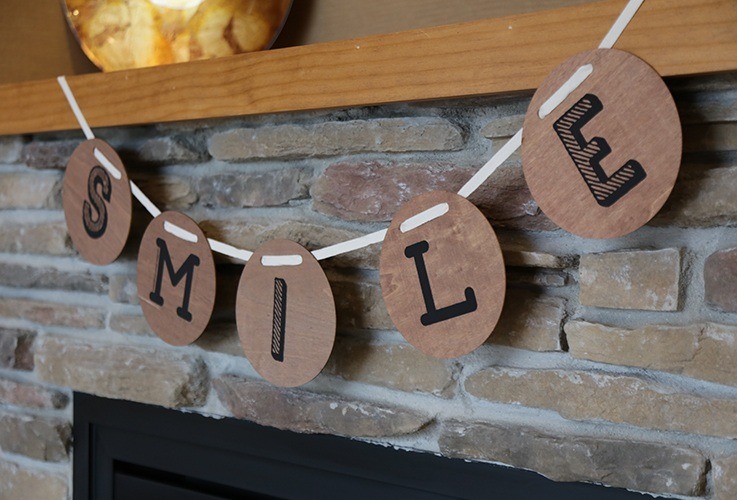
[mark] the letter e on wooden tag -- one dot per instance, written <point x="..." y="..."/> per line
<point x="97" y="202"/>
<point x="176" y="278"/>
<point x="603" y="162"/>
<point x="443" y="280"/>
<point x="285" y="313"/>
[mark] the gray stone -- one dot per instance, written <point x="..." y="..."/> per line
<point x="148" y="375"/>
<point x="123" y="289"/>
<point x="10" y="149"/>
<point x="642" y="466"/>
<point x="383" y="135"/>
<point x="171" y="150"/>
<point x="710" y="137"/>
<point x="253" y="189"/>
<point x="703" y="198"/>
<point x="49" y="154"/>
<point x="302" y="411"/>
<point x="22" y="276"/>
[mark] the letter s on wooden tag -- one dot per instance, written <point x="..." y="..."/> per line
<point x="176" y="279"/>
<point x="97" y="204"/>
<point x="443" y="280"/>
<point x="605" y="160"/>
<point x="285" y="314"/>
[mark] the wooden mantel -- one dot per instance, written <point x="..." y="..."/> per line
<point x="677" y="37"/>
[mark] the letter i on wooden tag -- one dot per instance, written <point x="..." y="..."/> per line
<point x="442" y="274"/>
<point x="603" y="161"/>
<point x="97" y="202"/>
<point x="285" y="313"/>
<point x="176" y="278"/>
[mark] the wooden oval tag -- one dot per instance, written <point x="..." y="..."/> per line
<point x="443" y="281"/>
<point x="285" y="314"/>
<point x="176" y="278"/>
<point x="604" y="161"/>
<point x="97" y="203"/>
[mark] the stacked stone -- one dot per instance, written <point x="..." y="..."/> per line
<point x="614" y="362"/>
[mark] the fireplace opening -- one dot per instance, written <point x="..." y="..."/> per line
<point x="125" y="450"/>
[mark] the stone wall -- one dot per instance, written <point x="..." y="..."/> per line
<point x="614" y="362"/>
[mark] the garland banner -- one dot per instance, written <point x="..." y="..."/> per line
<point x="601" y="151"/>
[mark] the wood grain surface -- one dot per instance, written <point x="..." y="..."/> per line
<point x="285" y="315"/>
<point x="605" y="160"/>
<point x="174" y="318"/>
<point x="460" y="252"/>
<point x="97" y="207"/>
<point x="470" y="59"/>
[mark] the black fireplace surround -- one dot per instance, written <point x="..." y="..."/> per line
<point x="125" y="450"/>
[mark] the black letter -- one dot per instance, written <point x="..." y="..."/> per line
<point x="96" y="227"/>
<point x="279" y="321"/>
<point x="187" y="269"/>
<point x="434" y="315"/>
<point x="588" y="155"/>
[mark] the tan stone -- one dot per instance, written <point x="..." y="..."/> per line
<point x="373" y="191"/>
<point x="720" y="273"/>
<point x="383" y="135"/>
<point x="642" y="466"/>
<point x="583" y="395"/>
<point x="724" y="477"/>
<point x="360" y="304"/>
<point x="529" y="321"/>
<point x="30" y="395"/>
<point x="130" y="323"/>
<point x="399" y="366"/>
<point x="28" y="190"/>
<point x="170" y="192"/>
<point x="36" y="238"/>
<point x="303" y="411"/>
<point x="52" y="313"/>
<point x="503" y="126"/>
<point x="636" y="279"/>
<point x="171" y="150"/>
<point x="148" y="375"/>
<point x="10" y="149"/>
<point x="42" y="438"/>
<point x="21" y="482"/>
<point x="251" y="233"/>
<point x="705" y="351"/>
<point x="515" y="257"/>
<point x="660" y="347"/>
<point x="16" y="348"/>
